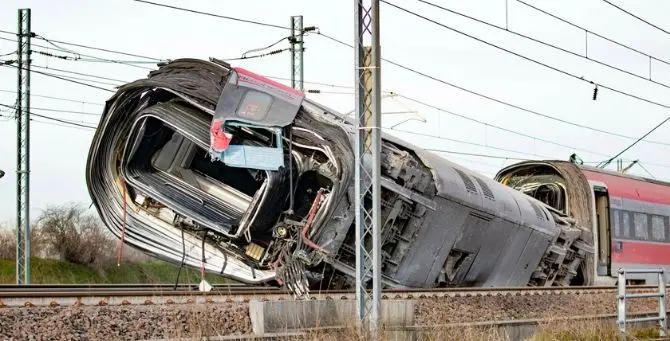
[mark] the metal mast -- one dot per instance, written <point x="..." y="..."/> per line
<point x="368" y="163"/>
<point x="296" y="40"/>
<point x="23" y="150"/>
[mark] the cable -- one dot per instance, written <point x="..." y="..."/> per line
<point x="475" y="154"/>
<point x="497" y="127"/>
<point x="645" y="169"/>
<point x="465" y="142"/>
<point x="266" y="47"/>
<point x="493" y="99"/>
<point x="585" y="56"/>
<point x="80" y="73"/>
<point x="64" y="79"/>
<point x="607" y="162"/>
<point x="7" y="54"/>
<point x="257" y="56"/>
<point x="566" y="73"/>
<point x="67" y="111"/>
<point x="215" y="15"/>
<point x="54" y="98"/>
<point x="79" y="124"/>
<point x="594" y="33"/>
<point x="636" y="17"/>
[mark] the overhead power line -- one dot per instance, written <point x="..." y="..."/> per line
<point x="62" y="78"/>
<point x="88" y="47"/>
<point x="498" y="127"/>
<point x="588" y="31"/>
<point x="80" y="73"/>
<point x="607" y="162"/>
<point x="68" y="111"/>
<point x="216" y="15"/>
<point x="494" y="99"/>
<point x="79" y="124"/>
<point x="53" y="97"/>
<point x="555" y="47"/>
<point x="636" y="16"/>
<point x="476" y="154"/>
<point x="532" y="60"/>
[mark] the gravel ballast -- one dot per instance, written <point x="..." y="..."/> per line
<point x="174" y="321"/>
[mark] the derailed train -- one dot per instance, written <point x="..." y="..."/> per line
<point x="218" y="168"/>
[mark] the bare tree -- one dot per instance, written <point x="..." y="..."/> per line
<point x="74" y="235"/>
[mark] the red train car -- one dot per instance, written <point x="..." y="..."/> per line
<point x="629" y="216"/>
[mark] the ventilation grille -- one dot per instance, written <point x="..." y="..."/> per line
<point x="469" y="185"/>
<point x="538" y="210"/>
<point x="485" y="188"/>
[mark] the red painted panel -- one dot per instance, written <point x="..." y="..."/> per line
<point x="629" y="188"/>
<point x="642" y="253"/>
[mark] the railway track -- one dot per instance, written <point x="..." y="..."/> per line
<point x="126" y="294"/>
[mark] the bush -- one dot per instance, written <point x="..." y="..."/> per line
<point x="75" y="236"/>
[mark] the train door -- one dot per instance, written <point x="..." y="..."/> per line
<point x="604" y="238"/>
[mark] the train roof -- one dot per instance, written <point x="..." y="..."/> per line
<point x="586" y="168"/>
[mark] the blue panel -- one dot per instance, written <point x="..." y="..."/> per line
<point x="253" y="157"/>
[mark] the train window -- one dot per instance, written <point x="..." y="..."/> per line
<point x="658" y="228"/>
<point x="616" y="223"/>
<point x="641" y="226"/>
<point x="625" y="224"/>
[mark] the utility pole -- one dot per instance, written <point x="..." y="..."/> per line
<point x="296" y="40"/>
<point x="368" y="164"/>
<point x="23" y="149"/>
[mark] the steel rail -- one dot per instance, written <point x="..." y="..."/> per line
<point x="72" y="295"/>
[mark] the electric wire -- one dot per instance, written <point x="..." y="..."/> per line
<point x="556" y="47"/>
<point x="636" y="16"/>
<point x="80" y="124"/>
<point x="476" y="154"/>
<point x="532" y="60"/>
<point x="607" y="162"/>
<point x="67" y="111"/>
<point x="79" y="73"/>
<point x="62" y="78"/>
<point x="628" y="47"/>
<point x="494" y="99"/>
<point x="215" y="15"/>
<point x="32" y="94"/>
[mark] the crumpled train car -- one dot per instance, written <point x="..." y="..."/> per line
<point x="215" y="167"/>
<point x="628" y="216"/>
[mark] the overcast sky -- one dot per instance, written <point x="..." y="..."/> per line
<point x="59" y="153"/>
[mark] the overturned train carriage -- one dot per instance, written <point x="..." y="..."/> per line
<point x="211" y="166"/>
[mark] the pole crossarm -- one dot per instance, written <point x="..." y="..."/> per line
<point x="368" y="164"/>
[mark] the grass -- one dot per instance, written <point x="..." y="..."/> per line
<point x="48" y="271"/>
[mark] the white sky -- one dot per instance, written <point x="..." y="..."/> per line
<point x="58" y="154"/>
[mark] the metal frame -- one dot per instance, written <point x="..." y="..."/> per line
<point x="368" y="163"/>
<point x="23" y="149"/>
<point x="622" y="297"/>
<point x="297" y="34"/>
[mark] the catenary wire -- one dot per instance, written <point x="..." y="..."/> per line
<point x="532" y="60"/>
<point x="216" y="15"/>
<point x="607" y="162"/>
<point x="494" y="99"/>
<point x="556" y="47"/>
<point x="628" y="47"/>
<point x="636" y="16"/>
<point x="62" y="78"/>
<point x="80" y="124"/>
<point x="32" y="94"/>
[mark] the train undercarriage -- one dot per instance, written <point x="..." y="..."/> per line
<point x="275" y="204"/>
